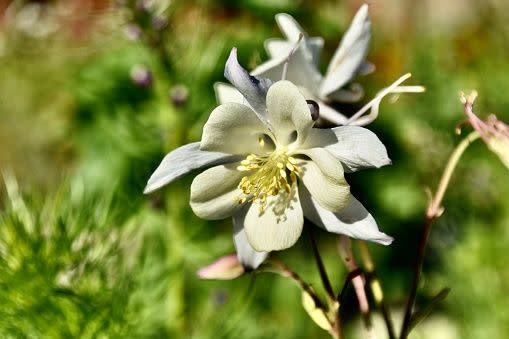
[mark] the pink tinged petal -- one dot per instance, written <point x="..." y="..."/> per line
<point x="183" y="160"/>
<point x="324" y="179"/>
<point x="225" y="268"/>
<point x="279" y="226"/>
<point x="227" y="93"/>
<point x="252" y="88"/>
<point x="350" y="55"/>
<point x="233" y="128"/>
<point x="247" y="255"/>
<point x="214" y="192"/>
<point x="288" y="113"/>
<point x="354" y="220"/>
<point x="356" y="147"/>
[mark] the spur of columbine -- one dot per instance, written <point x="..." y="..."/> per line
<point x="303" y="69"/>
<point x="269" y="168"/>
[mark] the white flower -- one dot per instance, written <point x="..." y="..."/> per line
<point x="303" y="71"/>
<point x="269" y="168"/>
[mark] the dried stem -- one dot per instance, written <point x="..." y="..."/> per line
<point x="433" y="212"/>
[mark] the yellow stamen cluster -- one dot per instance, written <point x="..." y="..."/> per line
<point x="273" y="173"/>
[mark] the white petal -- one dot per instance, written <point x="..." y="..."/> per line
<point x="353" y="93"/>
<point x="288" y="113"/>
<point x="353" y="221"/>
<point x="213" y="192"/>
<point x="289" y="27"/>
<point x="227" y="93"/>
<point x="252" y="88"/>
<point x="301" y="69"/>
<point x="247" y="255"/>
<point x="278" y="48"/>
<point x="183" y="160"/>
<point x="330" y="190"/>
<point x="279" y="226"/>
<point x="330" y="114"/>
<point x="350" y="54"/>
<point x="315" y="45"/>
<point x="356" y="147"/>
<point x="233" y="128"/>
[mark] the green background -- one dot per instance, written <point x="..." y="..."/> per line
<point x="83" y="253"/>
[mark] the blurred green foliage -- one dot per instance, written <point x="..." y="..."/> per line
<point x="84" y="254"/>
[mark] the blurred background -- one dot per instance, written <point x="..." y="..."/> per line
<point x="93" y="93"/>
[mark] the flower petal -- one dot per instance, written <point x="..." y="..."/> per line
<point x="301" y="69"/>
<point x="329" y="189"/>
<point x="289" y="27"/>
<point x="354" y="220"/>
<point x="227" y="93"/>
<point x="278" y="48"/>
<point x="233" y="128"/>
<point x="247" y="255"/>
<point x="330" y="114"/>
<point x="350" y="55"/>
<point x="279" y="226"/>
<point x="291" y="30"/>
<point x="356" y="147"/>
<point x="213" y="192"/>
<point x="252" y="88"/>
<point x="353" y="93"/>
<point x="183" y="160"/>
<point x="288" y="113"/>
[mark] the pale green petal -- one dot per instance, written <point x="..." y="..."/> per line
<point x="227" y="93"/>
<point x="288" y="113"/>
<point x="247" y="255"/>
<point x="356" y="147"/>
<point x="500" y="146"/>
<point x="354" y="220"/>
<point x="213" y="192"/>
<point x="233" y="128"/>
<point x="279" y="226"/>
<point x="331" y="192"/>
<point x="183" y="160"/>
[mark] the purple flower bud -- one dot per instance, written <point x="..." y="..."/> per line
<point x="159" y="22"/>
<point x="141" y="76"/>
<point x="178" y="95"/>
<point x="132" y="32"/>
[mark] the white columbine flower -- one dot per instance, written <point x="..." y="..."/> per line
<point x="303" y="70"/>
<point x="269" y="168"/>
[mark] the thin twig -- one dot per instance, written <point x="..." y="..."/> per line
<point x="321" y="268"/>
<point x="433" y="212"/>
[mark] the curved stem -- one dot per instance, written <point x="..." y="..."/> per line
<point x="321" y="268"/>
<point x="433" y="212"/>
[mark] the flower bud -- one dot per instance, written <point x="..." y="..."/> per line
<point x="225" y="268"/>
<point x="141" y="76"/>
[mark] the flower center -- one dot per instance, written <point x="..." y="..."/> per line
<point x="273" y="173"/>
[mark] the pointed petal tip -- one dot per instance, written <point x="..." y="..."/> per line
<point x="386" y="240"/>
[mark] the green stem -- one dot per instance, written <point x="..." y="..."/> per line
<point x="433" y="212"/>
